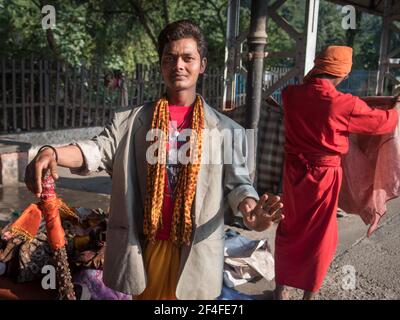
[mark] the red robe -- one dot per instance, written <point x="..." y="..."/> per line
<point x="318" y="120"/>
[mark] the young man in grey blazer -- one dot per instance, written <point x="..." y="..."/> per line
<point x="165" y="237"/>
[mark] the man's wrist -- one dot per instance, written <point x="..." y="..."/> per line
<point x="247" y="205"/>
<point x="50" y="150"/>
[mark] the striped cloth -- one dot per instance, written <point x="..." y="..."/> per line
<point x="271" y="139"/>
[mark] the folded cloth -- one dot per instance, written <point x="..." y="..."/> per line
<point x="26" y="253"/>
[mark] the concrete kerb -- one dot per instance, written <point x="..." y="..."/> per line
<point x="54" y="137"/>
<point x="17" y="150"/>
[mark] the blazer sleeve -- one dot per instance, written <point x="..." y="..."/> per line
<point x="98" y="152"/>
<point x="238" y="184"/>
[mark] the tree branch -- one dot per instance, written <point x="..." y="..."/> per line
<point x="144" y="21"/>
<point x="36" y="4"/>
<point x="166" y="12"/>
<point x="351" y="33"/>
<point x="51" y="41"/>
<point x="219" y="9"/>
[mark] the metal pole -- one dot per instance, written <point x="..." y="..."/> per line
<point x="232" y="31"/>
<point x="256" y="41"/>
<point x="312" y="10"/>
<point x="383" y="61"/>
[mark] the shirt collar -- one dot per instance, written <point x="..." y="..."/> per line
<point x="321" y="82"/>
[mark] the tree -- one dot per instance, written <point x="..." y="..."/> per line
<point x="121" y="33"/>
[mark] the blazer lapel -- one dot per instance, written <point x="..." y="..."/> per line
<point x="139" y="135"/>
<point x="210" y="122"/>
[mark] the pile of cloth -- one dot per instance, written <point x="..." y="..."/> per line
<point x="22" y="259"/>
<point x="246" y="260"/>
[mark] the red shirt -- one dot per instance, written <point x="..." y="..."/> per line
<point x="180" y="117"/>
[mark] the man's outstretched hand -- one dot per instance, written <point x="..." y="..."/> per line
<point x="259" y="216"/>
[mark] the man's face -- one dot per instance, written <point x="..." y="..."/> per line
<point x="181" y="64"/>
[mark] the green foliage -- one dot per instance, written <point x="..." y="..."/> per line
<point x="367" y="42"/>
<point x="20" y="29"/>
<point x="121" y="33"/>
<point x="366" y="35"/>
<point x="118" y="33"/>
<point x="330" y="31"/>
<point x="73" y="33"/>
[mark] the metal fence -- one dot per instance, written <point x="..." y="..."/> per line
<point x="359" y="82"/>
<point x="46" y="95"/>
<point x="40" y="95"/>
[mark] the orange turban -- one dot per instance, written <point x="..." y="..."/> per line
<point x="334" y="60"/>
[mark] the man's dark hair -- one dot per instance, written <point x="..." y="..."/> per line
<point x="182" y="29"/>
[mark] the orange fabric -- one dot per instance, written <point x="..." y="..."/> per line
<point x="55" y="231"/>
<point x="334" y="60"/>
<point x="161" y="260"/>
<point x="27" y="225"/>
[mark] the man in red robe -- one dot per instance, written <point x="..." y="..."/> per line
<point x="318" y="120"/>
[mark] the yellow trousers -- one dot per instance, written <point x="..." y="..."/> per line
<point x="161" y="260"/>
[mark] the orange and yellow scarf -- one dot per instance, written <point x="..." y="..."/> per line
<point x="181" y="227"/>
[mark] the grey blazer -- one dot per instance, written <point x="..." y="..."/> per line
<point x="120" y="149"/>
